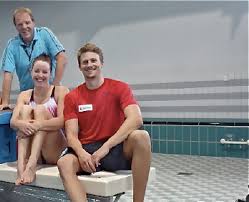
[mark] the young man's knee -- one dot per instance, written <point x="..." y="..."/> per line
<point x="61" y="163"/>
<point x="141" y="139"/>
<point x="65" y="165"/>
<point x="138" y="140"/>
<point x="140" y="135"/>
<point x="62" y="166"/>
<point x="146" y="136"/>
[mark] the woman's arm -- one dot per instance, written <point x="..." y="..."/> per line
<point x="23" y="125"/>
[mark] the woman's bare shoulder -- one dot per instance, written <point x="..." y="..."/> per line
<point x="25" y="95"/>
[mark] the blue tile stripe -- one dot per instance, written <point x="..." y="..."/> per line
<point x="197" y="138"/>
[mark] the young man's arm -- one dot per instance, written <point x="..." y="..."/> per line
<point x="84" y="157"/>
<point x="71" y="129"/>
<point x="6" y="88"/>
<point x="132" y="122"/>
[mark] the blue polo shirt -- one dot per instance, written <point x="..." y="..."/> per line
<point x="19" y="56"/>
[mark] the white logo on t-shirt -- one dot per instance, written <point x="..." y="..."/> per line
<point x="84" y="108"/>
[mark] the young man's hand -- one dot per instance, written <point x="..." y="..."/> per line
<point x="99" y="154"/>
<point x="86" y="162"/>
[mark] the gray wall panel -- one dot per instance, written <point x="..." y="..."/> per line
<point x="153" y="45"/>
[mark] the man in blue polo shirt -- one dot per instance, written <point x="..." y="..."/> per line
<point x="22" y="49"/>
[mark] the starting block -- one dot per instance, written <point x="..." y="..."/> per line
<point x="103" y="186"/>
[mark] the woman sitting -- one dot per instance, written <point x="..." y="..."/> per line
<point x="38" y="118"/>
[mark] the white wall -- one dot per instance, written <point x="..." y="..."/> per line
<point x="146" y="42"/>
<point x="150" y="42"/>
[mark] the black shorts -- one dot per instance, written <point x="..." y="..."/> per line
<point x="113" y="161"/>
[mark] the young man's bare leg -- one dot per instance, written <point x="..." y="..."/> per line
<point x="23" y="146"/>
<point x="68" y="166"/>
<point x="138" y="148"/>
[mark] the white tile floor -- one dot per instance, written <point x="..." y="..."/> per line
<point x="211" y="180"/>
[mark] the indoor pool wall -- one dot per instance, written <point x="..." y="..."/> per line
<point x="197" y="138"/>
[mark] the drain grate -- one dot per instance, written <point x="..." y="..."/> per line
<point x="184" y="173"/>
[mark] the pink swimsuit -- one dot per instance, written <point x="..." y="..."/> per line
<point x="50" y="105"/>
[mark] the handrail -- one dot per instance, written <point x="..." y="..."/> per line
<point x="223" y="141"/>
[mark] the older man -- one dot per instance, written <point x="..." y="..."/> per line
<point x="30" y="42"/>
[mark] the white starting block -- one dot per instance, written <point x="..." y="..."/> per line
<point x="103" y="186"/>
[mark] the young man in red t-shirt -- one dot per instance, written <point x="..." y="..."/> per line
<point x="102" y="121"/>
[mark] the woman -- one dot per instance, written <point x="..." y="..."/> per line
<point x="38" y="118"/>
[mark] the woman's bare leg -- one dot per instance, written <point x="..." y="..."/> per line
<point x="36" y="147"/>
<point x="51" y="151"/>
<point x="23" y="146"/>
<point x="23" y="154"/>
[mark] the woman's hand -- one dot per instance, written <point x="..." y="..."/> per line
<point x="37" y="125"/>
<point x="27" y="129"/>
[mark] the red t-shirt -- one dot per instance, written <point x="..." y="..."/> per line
<point x="100" y="112"/>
